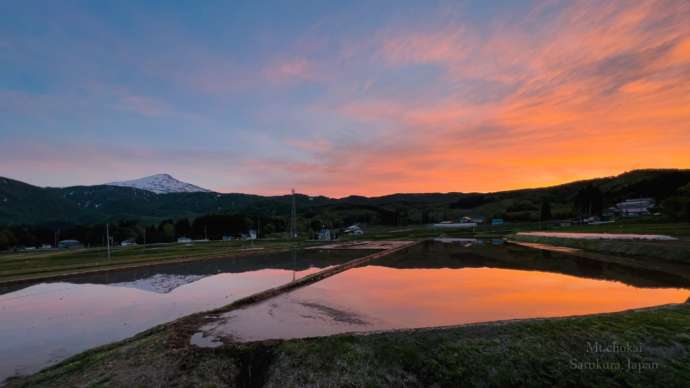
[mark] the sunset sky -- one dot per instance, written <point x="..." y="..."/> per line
<point x="343" y="97"/>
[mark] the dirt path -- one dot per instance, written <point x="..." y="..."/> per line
<point x="186" y="327"/>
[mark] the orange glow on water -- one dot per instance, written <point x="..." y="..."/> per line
<point x="382" y="298"/>
<point x="429" y="297"/>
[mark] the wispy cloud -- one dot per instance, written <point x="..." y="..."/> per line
<point x="145" y="106"/>
<point x="291" y="69"/>
<point x="549" y="92"/>
<point x="593" y="90"/>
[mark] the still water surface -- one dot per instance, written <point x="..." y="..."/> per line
<point x="41" y="324"/>
<point x="441" y="284"/>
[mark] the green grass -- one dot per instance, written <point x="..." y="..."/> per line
<point x="417" y="232"/>
<point x="531" y="353"/>
<point x="679" y="229"/>
<point x="644" y="226"/>
<point x="36" y="264"/>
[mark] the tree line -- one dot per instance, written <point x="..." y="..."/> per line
<point x="212" y="226"/>
<point x="588" y="201"/>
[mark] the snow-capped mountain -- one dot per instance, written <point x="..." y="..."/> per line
<point x="160" y="184"/>
<point x="160" y="283"/>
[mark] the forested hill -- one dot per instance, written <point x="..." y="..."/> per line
<point x="21" y="203"/>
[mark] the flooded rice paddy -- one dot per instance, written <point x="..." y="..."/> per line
<point x="44" y="323"/>
<point x="437" y="284"/>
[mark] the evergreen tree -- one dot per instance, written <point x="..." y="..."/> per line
<point x="545" y="213"/>
<point x="7" y="239"/>
<point x="183" y="228"/>
<point x="167" y="231"/>
<point x="589" y="201"/>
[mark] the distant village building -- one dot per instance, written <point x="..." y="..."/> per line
<point x="632" y="207"/>
<point x="69" y="244"/>
<point x="184" y="240"/>
<point x="227" y="237"/>
<point x="471" y="220"/>
<point x="353" y="230"/>
<point x="325" y="235"/>
<point x="251" y="235"/>
<point x="128" y="242"/>
<point x="590" y="220"/>
<point x="477" y="220"/>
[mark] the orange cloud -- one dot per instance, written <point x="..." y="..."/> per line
<point x="680" y="53"/>
<point x="595" y="90"/>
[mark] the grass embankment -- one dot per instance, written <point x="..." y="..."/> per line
<point x="647" y="348"/>
<point x="675" y="251"/>
<point x="47" y="264"/>
<point x="643" y="226"/>
<point x="677" y="229"/>
<point x="418" y="232"/>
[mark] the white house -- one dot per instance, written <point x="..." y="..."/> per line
<point x="251" y="235"/>
<point x="354" y="230"/>
<point x="633" y="207"/>
<point x="128" y="242"/>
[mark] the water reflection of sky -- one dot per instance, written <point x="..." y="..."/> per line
<point x="436" y="285"/>
<point x="47" y="322"/>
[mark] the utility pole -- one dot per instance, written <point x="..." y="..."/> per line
<point x="107" y="238"/>
<point x="294" y="263"/>
<point x="293" y="218"/>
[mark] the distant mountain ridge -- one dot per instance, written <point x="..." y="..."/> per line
<point x="160" y="184"/>
<point x="24" y="204"/>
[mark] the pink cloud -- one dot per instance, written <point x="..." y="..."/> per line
<point x="145" y="106"/>
<point x="451" y="44"/>
<point x="293" y="69"/>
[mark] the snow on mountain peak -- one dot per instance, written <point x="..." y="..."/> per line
<point x="160" y="184"/>
<point x="160" y="283"/>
